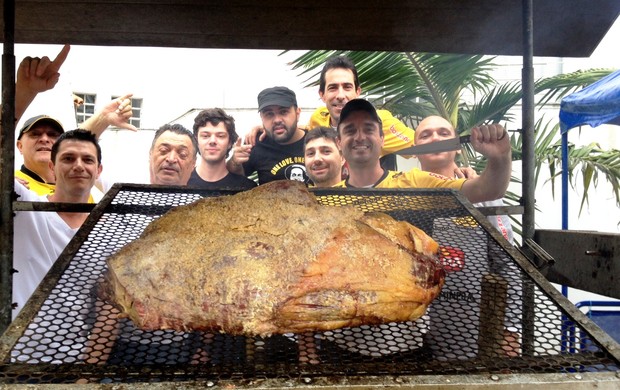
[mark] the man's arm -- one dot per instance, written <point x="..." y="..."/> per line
<point x="36" y="75"/>
<point x="492" y="142"/>
<point x="116" y="113"/>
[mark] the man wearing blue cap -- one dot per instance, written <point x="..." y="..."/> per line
<point x="281" y="155"/>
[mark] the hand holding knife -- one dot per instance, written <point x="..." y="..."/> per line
<point x="437" y="146"/>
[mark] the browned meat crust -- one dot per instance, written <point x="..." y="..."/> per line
<point x="272" y="260"/>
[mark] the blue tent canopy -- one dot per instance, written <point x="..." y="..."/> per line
<point x="596" y="104"/>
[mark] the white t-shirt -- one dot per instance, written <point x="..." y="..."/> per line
<point x="501" y="222"/>
<point x="39" y="238"/>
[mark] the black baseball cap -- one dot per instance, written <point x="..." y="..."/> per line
<point x="359" y="105"/>
<point x="39" y="119"/>
<point x="276" y="96"/>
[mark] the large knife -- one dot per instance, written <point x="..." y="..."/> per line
<point x="436" y="147"/>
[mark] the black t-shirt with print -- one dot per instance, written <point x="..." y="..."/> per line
<point x="273" y="161"/>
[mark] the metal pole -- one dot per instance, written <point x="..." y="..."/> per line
<point x="7" y="162"/>
<point x="528" y="184"/>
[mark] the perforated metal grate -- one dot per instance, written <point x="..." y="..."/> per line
<point x="491" y="317"/>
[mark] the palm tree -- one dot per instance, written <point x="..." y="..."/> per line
<point x="415" y="85"/>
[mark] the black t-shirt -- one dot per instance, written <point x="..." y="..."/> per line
<point x="273" y="161"/>
<point x="232" y="181"/>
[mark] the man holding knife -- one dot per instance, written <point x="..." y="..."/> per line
<point x="361" y="138"/>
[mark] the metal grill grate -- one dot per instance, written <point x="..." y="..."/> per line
<point x="494" y="315"/>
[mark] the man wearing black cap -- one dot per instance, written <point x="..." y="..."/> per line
<point x="361" y="139"/>
<point x="281" y="155"/>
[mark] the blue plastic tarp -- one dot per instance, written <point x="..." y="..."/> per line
<point x="596" y="104"/>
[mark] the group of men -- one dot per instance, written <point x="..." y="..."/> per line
<point x="64" y="166"/>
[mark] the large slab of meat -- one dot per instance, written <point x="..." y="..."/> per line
<point x="273" y="260"/>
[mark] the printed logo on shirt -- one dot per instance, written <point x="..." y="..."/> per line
<point x="296" y="172"/>
<point x="398" y="134"/>
<point x="437" y="175"/>
<point x="286" y="162"/>
<point x="502" y="228"/>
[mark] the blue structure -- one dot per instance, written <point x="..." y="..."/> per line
<point x="596" y="104"/>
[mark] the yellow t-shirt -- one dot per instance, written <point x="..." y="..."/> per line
<point x="414" y="178"/>
<point x="41" y="188"/>
<point x="38" y="187"/>
<point x="396" y="134"/>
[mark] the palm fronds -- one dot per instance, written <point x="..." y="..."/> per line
<point x="461" y="89"/>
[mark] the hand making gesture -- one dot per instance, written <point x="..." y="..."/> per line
<point x="36" y="75"/>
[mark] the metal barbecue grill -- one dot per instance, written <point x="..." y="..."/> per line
<point x="496" y="315"/>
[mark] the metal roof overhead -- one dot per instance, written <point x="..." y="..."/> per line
<point x="562" y="28"/>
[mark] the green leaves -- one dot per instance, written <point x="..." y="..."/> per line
<point x="461" y="89"/>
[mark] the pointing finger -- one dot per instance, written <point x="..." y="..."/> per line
<point x="129" y="126"/>
<point x="60" y="58"/>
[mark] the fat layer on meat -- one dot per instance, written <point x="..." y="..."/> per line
<point x="273" y="260"/>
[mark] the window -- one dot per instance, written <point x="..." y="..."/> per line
<point x="136" y="111"/>
<point x="87" y="108"/>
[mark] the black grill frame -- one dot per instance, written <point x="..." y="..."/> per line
<point x="451" y="204"/>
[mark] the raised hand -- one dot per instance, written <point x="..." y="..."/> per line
<point x="35" y="75"/>
<point x="40" y="74"/>
<point x="116" y="113"/>
<point x="119" y="111"/>
<point x="250" y="138"/>
<point x="491" y="141"/>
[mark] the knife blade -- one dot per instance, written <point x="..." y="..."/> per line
<point x="436" y="147"/>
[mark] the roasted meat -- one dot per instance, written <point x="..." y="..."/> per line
<point x="273" y="260"/>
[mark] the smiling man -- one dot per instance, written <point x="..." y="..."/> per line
<point x="40" y="237"/>
<point x="323" y="158"/>
<point x="281" y="155"/>
<point x="216" y="135"/>
<point x="172" y="156"/>
<point x="361" y="138"/>
<point x="435" y="128"/>
<point x="35" y="142"/>
<point x="38" y="134"/>
<point x="338" y="84"/>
